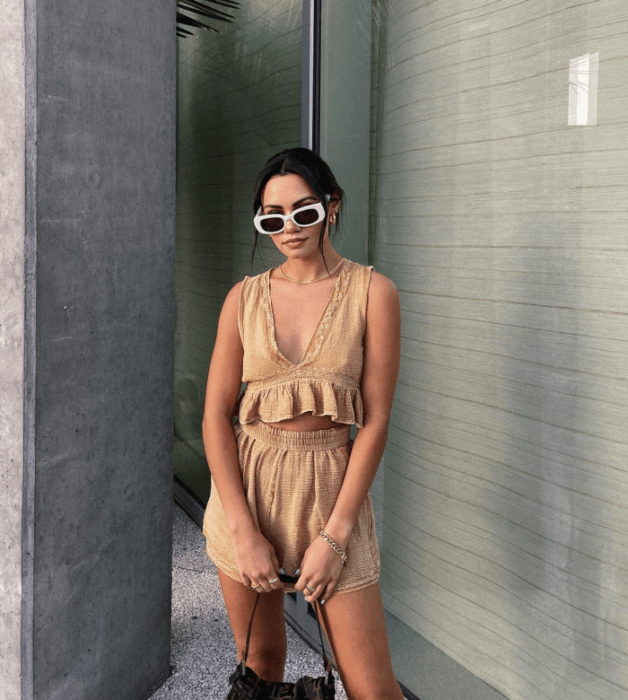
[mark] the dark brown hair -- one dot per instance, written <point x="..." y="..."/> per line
<point x="312" y="168"/>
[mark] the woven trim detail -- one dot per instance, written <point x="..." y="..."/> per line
<point x="337" y="294"/>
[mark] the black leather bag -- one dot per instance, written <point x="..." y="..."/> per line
<point x="246" y="685"/>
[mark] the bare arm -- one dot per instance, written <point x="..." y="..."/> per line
<point x="255" y="557"/>
<point x="379" y="377"/>
<point x="223" y="385"/>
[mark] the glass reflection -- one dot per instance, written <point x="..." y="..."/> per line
<point x="583" y="80"/>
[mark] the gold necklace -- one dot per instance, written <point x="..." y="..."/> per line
<point x="318" y="279"/>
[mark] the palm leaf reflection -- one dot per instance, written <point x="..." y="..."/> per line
<point x="186" y="9"/>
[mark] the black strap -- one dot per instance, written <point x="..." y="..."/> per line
<point x="248" y="637"/>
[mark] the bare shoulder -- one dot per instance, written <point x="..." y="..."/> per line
<point x="383" y="294"/>
<point x="234" y="292"/>
<point x="382" y="344"/>
<point x="232" y="300"/>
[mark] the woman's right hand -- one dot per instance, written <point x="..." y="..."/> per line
<point x="257" y="562"/>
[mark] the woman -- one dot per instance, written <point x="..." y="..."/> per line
<point x="316" y="340"/>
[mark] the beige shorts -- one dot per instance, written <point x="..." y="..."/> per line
<point x="291" y="480"/>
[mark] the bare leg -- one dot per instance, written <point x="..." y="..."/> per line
<point x="267" y="648"/>
<point x="356" y="629"/>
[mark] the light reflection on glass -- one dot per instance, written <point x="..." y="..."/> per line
<point x="583" y="80"/>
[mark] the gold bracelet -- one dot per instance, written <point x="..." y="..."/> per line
<point x="333" y="545"/>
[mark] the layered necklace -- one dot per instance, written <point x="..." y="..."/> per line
<point x="318" y="279"/>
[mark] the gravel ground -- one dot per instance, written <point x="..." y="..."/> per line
<point x="203" y="651"/>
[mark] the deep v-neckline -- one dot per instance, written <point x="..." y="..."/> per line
<point x="328" y="311"/>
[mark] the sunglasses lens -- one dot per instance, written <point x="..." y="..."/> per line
<point x="307" y="217"/>
<point x="272" y="225"/>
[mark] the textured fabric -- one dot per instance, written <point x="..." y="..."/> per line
<point x="327" y="380"/>
<point x="291" y="480"/>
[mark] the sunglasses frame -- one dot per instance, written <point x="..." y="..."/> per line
<point x="258" y="218"/>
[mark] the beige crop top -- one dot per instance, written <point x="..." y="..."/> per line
<point x="327" y="380"/>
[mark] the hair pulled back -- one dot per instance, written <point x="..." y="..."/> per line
<point x="312" y="168"/>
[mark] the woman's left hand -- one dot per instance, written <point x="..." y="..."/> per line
<point x="319" y="572"/>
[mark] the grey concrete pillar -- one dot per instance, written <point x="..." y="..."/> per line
<point x="87" y="120"/>
<point x="11" y="338"/>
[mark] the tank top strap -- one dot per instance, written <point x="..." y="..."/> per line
<point x="355" y="295"/>
<point x="241" y="302"/>
<point x="361" y="280"/>
<point x="253" y="313"/>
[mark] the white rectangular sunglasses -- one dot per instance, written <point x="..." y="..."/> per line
<point x="304" y="216"/>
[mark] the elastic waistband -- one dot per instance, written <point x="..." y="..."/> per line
<point x="305" y="440"/>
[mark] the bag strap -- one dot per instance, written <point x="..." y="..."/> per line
<point x="248" y="635"/>
<point x="327" y="662"/>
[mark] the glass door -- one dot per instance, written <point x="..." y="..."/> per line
<point x="239" y="101"/>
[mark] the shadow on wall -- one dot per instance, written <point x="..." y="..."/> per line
<point x="554" y="462"/>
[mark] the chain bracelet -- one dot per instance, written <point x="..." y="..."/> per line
<point x="333" y="545"/>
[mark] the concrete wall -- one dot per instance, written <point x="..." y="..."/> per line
<point x="11" y="338"/>
<point x="99" y="240"/>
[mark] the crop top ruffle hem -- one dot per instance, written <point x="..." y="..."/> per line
<point x="327" y="380"/>
<point x="321" y="397"/>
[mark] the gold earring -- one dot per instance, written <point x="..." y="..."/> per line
<point x="332" y="219"/>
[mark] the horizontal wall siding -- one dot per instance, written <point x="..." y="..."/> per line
<point x="505" y="488"/>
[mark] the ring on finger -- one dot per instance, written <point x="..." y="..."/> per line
<point x="274" y="580"/>
<point x="257" y="585"/>
<point x="310" y="589"/>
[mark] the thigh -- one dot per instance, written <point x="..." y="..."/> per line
<point x="267" y="647"/>
<point x="356" y="629"/>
